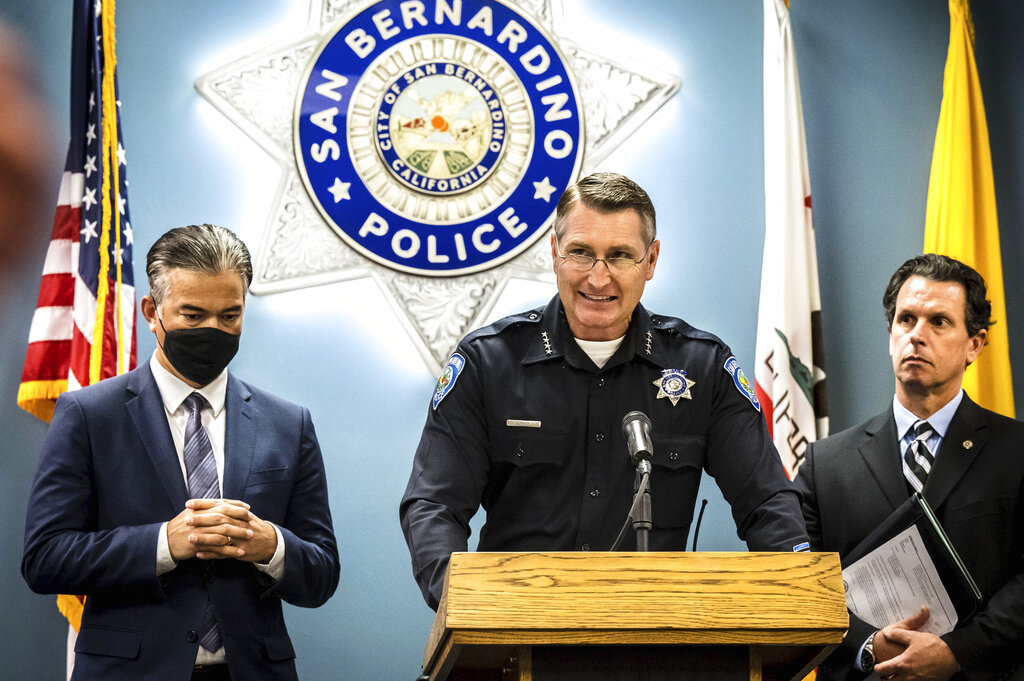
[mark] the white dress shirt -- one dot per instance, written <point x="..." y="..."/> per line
<point x="173" y="392"/>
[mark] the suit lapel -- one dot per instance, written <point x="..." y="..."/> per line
<point x="240" y="438"/>
<point x="881" y="454"/>
<point x="146" y="410"/>
<point x="961" y="445"/>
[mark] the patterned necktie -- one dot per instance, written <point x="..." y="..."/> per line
<point x="918" y="459"/>
<point x="201" y="469"/>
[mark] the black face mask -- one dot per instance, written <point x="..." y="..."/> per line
<point x="199" y="354"/>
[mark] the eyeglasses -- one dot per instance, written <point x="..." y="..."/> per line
<point x="584" y="262"/>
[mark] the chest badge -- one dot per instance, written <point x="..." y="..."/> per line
<point x="674" y="385"/>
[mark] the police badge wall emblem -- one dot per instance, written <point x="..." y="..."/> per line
<point x="423" y="134"/>
<point x="425" y="144"/>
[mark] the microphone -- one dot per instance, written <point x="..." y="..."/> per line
<point x="636" y="428"/>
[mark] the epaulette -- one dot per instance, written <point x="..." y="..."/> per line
<point x="674" y="325"/>
<point x="527" y="317"/>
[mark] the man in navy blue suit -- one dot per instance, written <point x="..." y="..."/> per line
<point x="184" y="503"/>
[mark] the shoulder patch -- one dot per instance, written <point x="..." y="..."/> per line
<point x="741" y="382"/>
<point x="447" y="378"/>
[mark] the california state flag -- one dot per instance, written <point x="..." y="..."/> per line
<point x="789" y="378"/>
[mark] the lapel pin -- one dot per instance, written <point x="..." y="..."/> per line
<point x="968" y="444"/>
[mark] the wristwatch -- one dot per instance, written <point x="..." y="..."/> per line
<point x="867" y="655"/>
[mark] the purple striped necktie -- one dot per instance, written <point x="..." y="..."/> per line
<point x="201" y="469"/>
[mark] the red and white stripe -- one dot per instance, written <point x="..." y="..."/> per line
<point x="789" y="313"/>
<point x="61" y="333"/>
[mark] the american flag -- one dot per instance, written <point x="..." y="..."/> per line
<point x="83" y="329"/>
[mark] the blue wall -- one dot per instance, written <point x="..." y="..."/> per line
<point x="871" y="76"/>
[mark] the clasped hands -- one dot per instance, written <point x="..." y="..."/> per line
<point x="903" y="653"/>
<point x="211" y="529"/>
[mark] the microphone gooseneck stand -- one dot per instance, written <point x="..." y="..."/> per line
<point x="639" y="515"/>
<point x="641" y="511"/>
<point x="636" y="429"/>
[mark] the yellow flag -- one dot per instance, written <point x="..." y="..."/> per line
<point x="961" y="217"/>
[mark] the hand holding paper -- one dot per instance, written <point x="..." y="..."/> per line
<point x="892" y="583"/>
<point x="886" y="649"/>
<point x="926" y="656"/>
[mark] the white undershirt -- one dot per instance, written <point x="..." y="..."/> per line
<point x="600" y="351"/>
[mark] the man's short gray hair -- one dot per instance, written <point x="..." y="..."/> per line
<point x="199" y="248"/>
<point x="608" y="193"/>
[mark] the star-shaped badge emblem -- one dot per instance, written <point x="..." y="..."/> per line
<point x="299" y="249"/>
<point x="674" y="385"/>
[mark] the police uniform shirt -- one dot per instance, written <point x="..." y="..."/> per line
<point x="524" y="424"/>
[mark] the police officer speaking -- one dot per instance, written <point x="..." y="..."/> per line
<point x="525" y="418"/>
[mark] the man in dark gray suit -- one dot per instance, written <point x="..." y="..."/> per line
<point x="967" y="462"/>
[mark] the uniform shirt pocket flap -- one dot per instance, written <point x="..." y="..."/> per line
<point x="679" y="451"/>
<point x="529" y="446"/>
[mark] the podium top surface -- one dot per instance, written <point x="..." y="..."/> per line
<point x="634" y="598"/>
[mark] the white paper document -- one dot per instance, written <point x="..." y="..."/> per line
<point x="893" y="582"/>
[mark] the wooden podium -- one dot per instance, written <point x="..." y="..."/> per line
<point x="579" y="615"/>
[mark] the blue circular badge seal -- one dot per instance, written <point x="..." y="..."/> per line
<point x="436" y="137"/>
